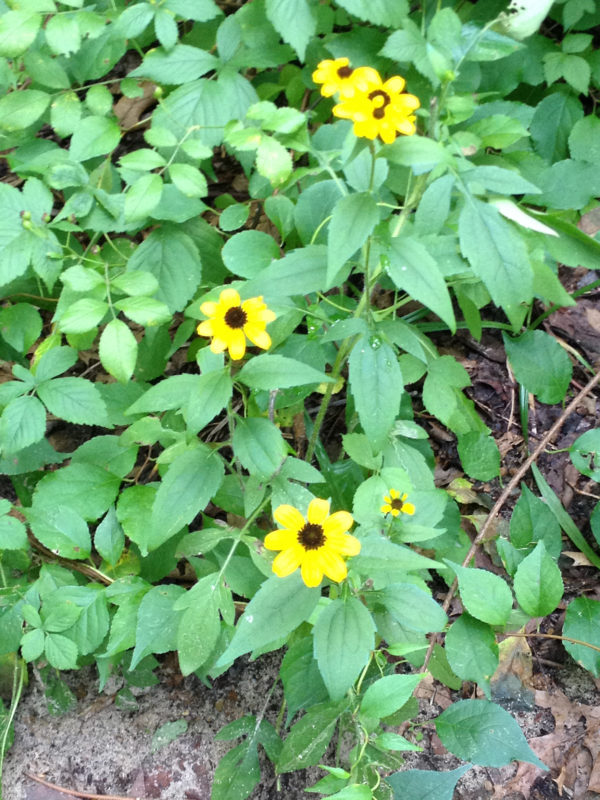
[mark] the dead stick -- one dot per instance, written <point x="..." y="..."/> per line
<point x="506" y="494"/>
<point x="73" y="793"/>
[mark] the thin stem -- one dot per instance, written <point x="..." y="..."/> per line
<point x="553" y="636"/>
<point x="17" y="689"/>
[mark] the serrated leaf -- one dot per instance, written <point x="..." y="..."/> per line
<point x="83" y="315"/>
<point x="308" y="738"/>
<point x="18" y="30"/>
<point x="387" y="695"/>
<point x="198" y="632"/>
<point x="298" y="33"/>
<point x="94" y="136"/>
<point x="74" y="400"/>
<point x="421" y="784"/>
<point x="157" y="622"/>
<point x="22" y="423"/>
<point x="118" y="350"/>
<point x="353" y="220"/>
<point x="273" y="161"/>
<point x="60" y="651"/>
<point x="61" y="529"/>
<point x="143" y="196"/>
<point x="259" y="445"/>
<point x="180" y="65"/>
<point x="19" y="110"/>
<point x="109" y="538"/>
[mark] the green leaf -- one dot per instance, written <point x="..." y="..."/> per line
<point x="22" y="423"/>
<point x="167" y="733"/>
<point x="497" y="255"/>
<point x="63" y="35"/>
<point x="188" y="179"/>
<point x="484" y="733"/>
<point x="585" y="453"/>
<point x="353" y="220"/>
<point x="271" y="371"/>
<point x="18" y="30"/>
<point x="172" y="257"/>
<point x="344" y="635"/>
<point x="234" y="217"/>
<point x="247" y="253"/>
<point x="417" y="152"/>
<point x="118" y="350"/>
<point x="376" y="385"/>
<point x="484" y="595"/>
<point x="198" y="632"/>
<point x="32" y="644"/>
<point x="300" y="271"/>
<point x="259" y="445"/>
<point x="13" y="534"/>
<point x="91" y="625"/>
<point x="434" y="207"/>
<point x="273" y="160"/>
<point x="109" y="538"/>
<point x="532" y="521"/>
<point x="298" y="33"/>
<point x="359" y="448"/>
<point x="83" y="315"/>
<point x="387" y="695"/>
<point x="540" y="364"/>
<point x="192" y="478"/>
<point x="61" y="529"/>
<point x="212" y="395"/>
<point x="416" y="272"/>
<point x="157" y="622"/>
<point x="563" y="519"/>
<point x="496" y="179"/>
<point x="309" y="737"/>
<point x="472" y="651"/>
<point x="170" y="393"/>
<point x="135" y="283"/>
<point x="584" y="140"/>
<point x="279" y="606"/>
<point x="422" y="784"/>
<point x="143" y="196"/>
<point x="60" y="651"/>
<point x="582" y="622"/>
<point x="144" y="310"/>
<point x="552" y="123"/>
<point x="498" y="131"/>
<point x="413" y="608"/>
<point x="479" y="455"/>
<point x="20" y="326"/>
<point x="87" y="489"/>
<point x="381" y="12"/>
<point x="165" y="28"/>
<point x="302" y="682"/>
<point x="19" y="110"/>
<point x="180" y="65"/>
<point x="94" y="136"/>
<point x="538" y="583"/>
<point x="74" y="400"/>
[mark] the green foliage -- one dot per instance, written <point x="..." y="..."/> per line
<point x="118" y="257"/>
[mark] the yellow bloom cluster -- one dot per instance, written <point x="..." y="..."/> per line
<point x="376" y="107"/>
<point x="230" y="321"/>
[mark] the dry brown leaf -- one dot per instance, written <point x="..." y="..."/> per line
<point x="129" y="110"/>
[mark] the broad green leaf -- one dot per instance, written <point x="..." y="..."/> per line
<point x="237" y="773"/>
<point x="584" y="140"/>
<point x="417" y="152"/>
<point x="83" y="315"/>
<point x="63" y="35"/>
<point x="387" y="695"/>
<point x="279" y="606"/>
<point x="118" y="350"/>
<point x="157" y="622"/>
<point x="91" y="626"/>
<point x="145" y="311"/>
<point x="359" y="448"/>
<point x="109" y="452"/>
<point x="302" y="682"/>
<point x="344" y="636"/>
<point x="422" y="784"/>
<point x="165" y="27"/>
<point x="533" y="521"/>
<point x="143" y="196"/>
<point x="180" y="65"/>
<point x="273" y="161"/>
<point x="479" y="455"/>
<point x="188" y="179"/>
<point x="308" y="738"/>
<point x="32" y="644"/>
<point x="234" y="217"/>
<point x="247" y="253"/>
<point x="582" y="622"/>
<point x="472" y="651"/>
<point x="414" y="608"/>
<point x="13" y="534"/>
<point x="74" y="400"/>
<point x="313" y="208"/>
<point x="172" y="257"/>
<point x="353" y="219"/>
<point x="135" y="283"/>
<point x="381" y="12"/>
<point x="81" y="279"/>
<point x="415" y="271"/>
<point x="538" y="583"/>
<point x="585" y="453"/>
<point x="170" y="393"/>
<point x="552" y="123"/>
<point x="209" y="399"/>
<point x="497" y="179"/>
<point x="142" y="160"/>
<point x="109" y="538"/>
<point x="65" y="113"/>
<point x="484" y="733"/>
<point x="60" y="651"/>
<point x="94" y="136"/>
<point x="192" y="478"/>
<point x="22" y="423"/>
<point x="20" y="326"/>
<point x="540" y="364"/>
<point x="294" y="21"/>
<point x="259" y="445"/>
<point x="167" y="733"/>
<point x="19" y="110"/>
<point x="87" y="489"/>
<point x="434" y="207"/>
<point x="498" y="131"/>
<point x="18" y="30"/>
<point x="198" y="632"/>
<point x="376" y="385"/>
<point x="270" y="372"/>
<point x="497" y="255"/>
<point x="569" y="184"/>
<point x="300" y="271"/>
<point x="61" y="529"/>
<point x="484" y="595"/>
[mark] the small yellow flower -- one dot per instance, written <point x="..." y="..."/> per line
<point x="394" y="504"/>
<point x="315" y="544"/>
<point x="381" y="110"/>
<point x="338" y="76"/>
<point x="230" y="321"/>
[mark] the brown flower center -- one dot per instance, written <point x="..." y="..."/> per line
<point x="380" y="100"/>
<point x="311" y="536"/>
<point x="345" y="72"/>
<point x="397" y="504"/>
<point x="235" y="317"/>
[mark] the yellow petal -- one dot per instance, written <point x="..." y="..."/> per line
<point x="237" y="344"/>
<point x="205" y="328"/>
<point x="218" y="345"/>
<point x="394" y="85"/>
<point x="281" y="540"/>
<point x="339" y="522"/>
<point x="286" y="562"/>
<point x="229" y="298"/>
<point x="394" y="494"/>
<point x="258" y="336"/>
<point x="366" y="128"/>
<point x="333" y="565"/>
<point x="342" y="111"/>
<point x="289" y="517"/>
<point x="209" y="308"/>
<point x="408" y="508"/>
<point x="318" y="510"/>
<point x="345" y="544"/>
<point x="387" y="131"/>
<point x="394" y="512"/>
<point x="312" y="574"/>
<point x="386" y="508"/>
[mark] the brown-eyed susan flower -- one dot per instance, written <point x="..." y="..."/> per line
<point x="336" y="75"/>
<point x="230" y="321"/>
<point x="395" y="505"/>
<point x="315" y="544"/>
<point x="380" y="110"/>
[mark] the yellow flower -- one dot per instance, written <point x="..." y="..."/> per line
<point x="230" y="321"/>
<point x="394" y="504"/>
<point x="338" y="76"/>
<point x="315" y="544"/>
<point x="381" y="110"/>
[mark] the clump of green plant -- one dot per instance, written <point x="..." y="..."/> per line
<point x="405" y="171"/>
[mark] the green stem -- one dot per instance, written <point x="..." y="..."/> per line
<point x="17" y="689"/>
<point x="241" y="533"/>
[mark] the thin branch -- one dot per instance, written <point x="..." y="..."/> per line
<point x="73" y="793"/>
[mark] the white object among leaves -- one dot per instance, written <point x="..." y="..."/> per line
<point x="524" y="17"/>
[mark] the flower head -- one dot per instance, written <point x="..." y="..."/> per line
<point x="338" y="76"/>
<point x="230" y="321"/>
<point x="315" y="544"/>
<point x="380" y="110"/>
<point x="395" y="505"/>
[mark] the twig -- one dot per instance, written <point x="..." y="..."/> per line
<point x="514" y="481"/>
<point x="73" y="793"/>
